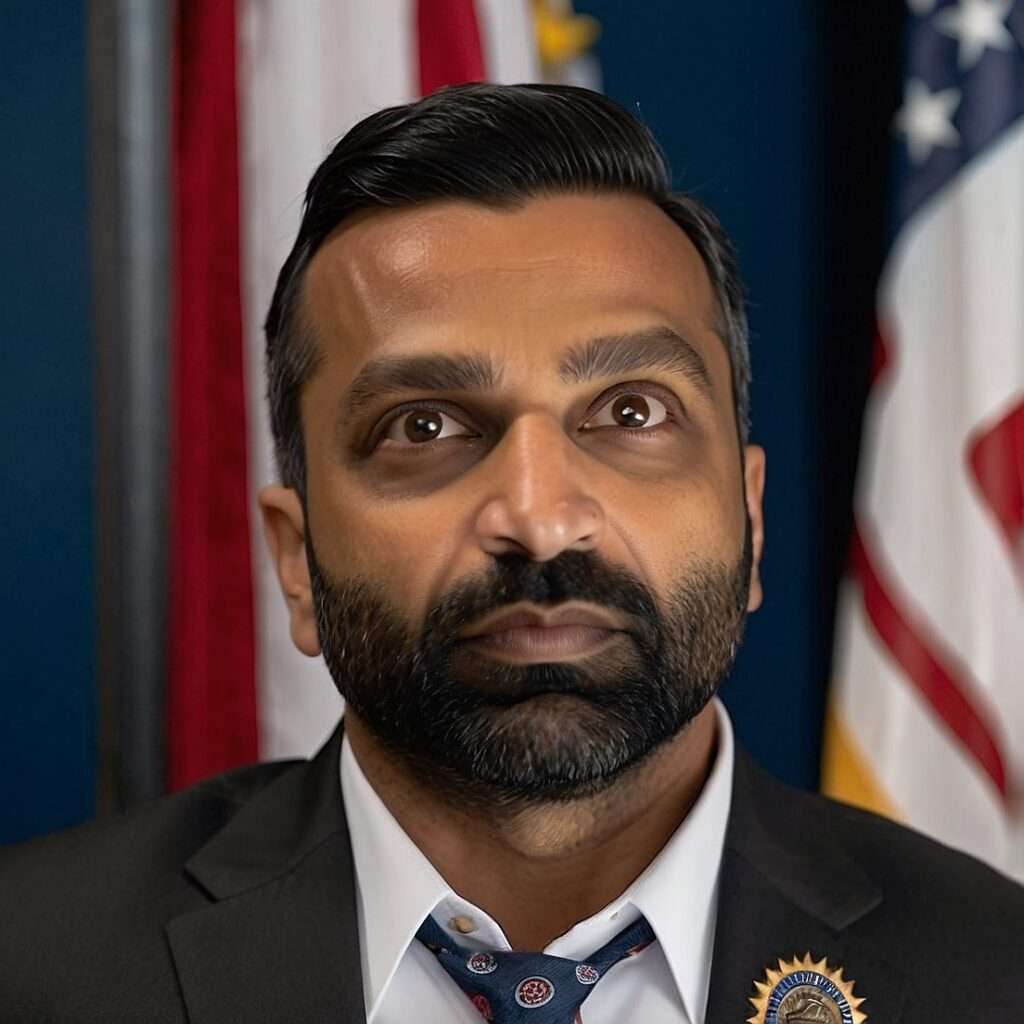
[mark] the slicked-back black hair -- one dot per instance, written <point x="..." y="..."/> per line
<point x="499" y="145"/>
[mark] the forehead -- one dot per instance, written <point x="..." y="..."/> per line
<point x="532" y="278"/>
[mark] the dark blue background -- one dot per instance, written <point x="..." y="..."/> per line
<point x="775" y="114"/>
<point x="47" y="665"/>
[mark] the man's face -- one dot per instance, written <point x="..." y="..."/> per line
<point x="530" y="411"/>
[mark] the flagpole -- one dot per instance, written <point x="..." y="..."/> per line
<point x="129" y="84"/>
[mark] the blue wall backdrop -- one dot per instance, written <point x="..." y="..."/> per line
<point x="47" y="684"/>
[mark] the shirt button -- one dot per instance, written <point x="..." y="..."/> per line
<point x="463" y="925"/>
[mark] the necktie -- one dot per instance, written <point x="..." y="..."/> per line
<point x="530" y="988"/>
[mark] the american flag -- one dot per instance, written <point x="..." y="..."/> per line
<point x="927" y="711"/>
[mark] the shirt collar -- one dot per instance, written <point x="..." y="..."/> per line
<point x="396" y="886"/>
<point x="678" y="891"/>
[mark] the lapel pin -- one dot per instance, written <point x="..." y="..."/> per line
<point x="805" y="992"/>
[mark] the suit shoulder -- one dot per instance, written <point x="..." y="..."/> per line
<point x="170" y="828"/>
<point x="925" y="884"/>
<point x="92" y="901"/>
<point x="110" y="885"/>
<point x="895" y="850"/>
<point x="950" y="926"/>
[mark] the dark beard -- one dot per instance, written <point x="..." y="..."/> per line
<point x="490" y="732"/>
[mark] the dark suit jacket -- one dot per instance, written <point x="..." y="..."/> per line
<point x="234" y="901"/>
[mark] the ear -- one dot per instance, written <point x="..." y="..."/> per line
<point x="285" y="531"/>
<point x="753" y="472"/>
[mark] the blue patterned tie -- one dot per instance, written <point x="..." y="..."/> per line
<point x="530" y="988"/>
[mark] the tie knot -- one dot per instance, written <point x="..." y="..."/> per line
<point x="529" y="988"/>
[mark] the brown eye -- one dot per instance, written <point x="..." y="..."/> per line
<point x="630" y="410"/>
<point x="422" y="426"/>
<point x="419" y="426"/>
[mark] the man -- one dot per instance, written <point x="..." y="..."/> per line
<point x="521" y="518"/>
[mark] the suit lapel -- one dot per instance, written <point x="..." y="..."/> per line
<point x="788" y="888"/>
<point x="280" y="943"/>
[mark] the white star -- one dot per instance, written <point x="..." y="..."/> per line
<point x="926" y="119"/>
<point x="977" y="24"/>
<point x="921" y="7"/>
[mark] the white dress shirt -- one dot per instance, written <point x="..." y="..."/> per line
<point x="397" y="887"/>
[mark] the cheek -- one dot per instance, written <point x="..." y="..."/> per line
<point x="406" y="546"/>
<point x="678" y="521"/>
<point x="681" y="498"/>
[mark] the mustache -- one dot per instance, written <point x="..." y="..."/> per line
<point x="570" y="576"/>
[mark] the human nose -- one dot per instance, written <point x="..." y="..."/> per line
<point x="538" y="505"/>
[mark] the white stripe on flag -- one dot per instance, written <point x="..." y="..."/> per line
<point x="507" y="38"/>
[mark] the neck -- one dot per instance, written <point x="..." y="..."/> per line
<point x="573" y="858"/>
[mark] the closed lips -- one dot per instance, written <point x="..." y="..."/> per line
<point x="566" y="615"/>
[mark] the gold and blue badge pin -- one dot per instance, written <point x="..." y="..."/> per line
<point x="805" y="992"/>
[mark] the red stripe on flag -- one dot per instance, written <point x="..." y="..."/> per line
<point x="448" y="43"/>
<point x="996" y="459"/>
<point x="881" y="356"/>
<point x="936" y="675"/>
<point x="212" y="718"/>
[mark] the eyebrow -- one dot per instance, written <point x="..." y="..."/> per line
<point x="658" y="348"/>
